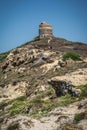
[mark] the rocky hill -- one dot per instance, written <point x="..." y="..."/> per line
<point x="43" y="86"/>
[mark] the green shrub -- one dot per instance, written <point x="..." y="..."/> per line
<point x="72" y="56"/>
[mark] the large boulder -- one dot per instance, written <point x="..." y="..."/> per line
<point x="62" y="88"/>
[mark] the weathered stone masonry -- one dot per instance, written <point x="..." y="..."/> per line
<point x="45" y="30"/>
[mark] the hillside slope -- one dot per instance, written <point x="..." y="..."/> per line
<point x="43" y="86"/>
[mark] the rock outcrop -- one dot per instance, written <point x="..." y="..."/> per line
<point x="62" y="88"/>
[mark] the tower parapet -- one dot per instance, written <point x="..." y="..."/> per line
<point x="45" y="30"/>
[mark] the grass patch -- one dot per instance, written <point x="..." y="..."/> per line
<point x="36" y="104"/>
<point x="18" y="105"/>
<point x="21" y="98"/>
<point x="80" y="116"/>
<point x="41" y="108"/>
<point x="72" y="56"/>
<point x="48" y="107"/>
<point x="3" y="56"/>
<point x="66" y="100"/>
<point x="83" y="89"/>
<point x="43" y="103"/>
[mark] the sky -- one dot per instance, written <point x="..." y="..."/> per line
<point x="20" y="19"/>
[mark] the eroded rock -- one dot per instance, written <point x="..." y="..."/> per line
<point x="62" y="88"/>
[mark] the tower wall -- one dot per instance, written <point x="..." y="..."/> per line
<point x="45" y="30"/>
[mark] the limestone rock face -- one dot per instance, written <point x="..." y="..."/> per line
<point x="76" y="78"/>
<point x="13" y="90"/>
<point x="19" y="56"/>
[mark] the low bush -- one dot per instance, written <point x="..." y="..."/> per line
<point x="72" y="56"/>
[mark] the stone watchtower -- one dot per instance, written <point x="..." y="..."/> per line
<point x="45" y="30"/>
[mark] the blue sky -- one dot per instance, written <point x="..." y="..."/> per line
<point x="19" y="20"/>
